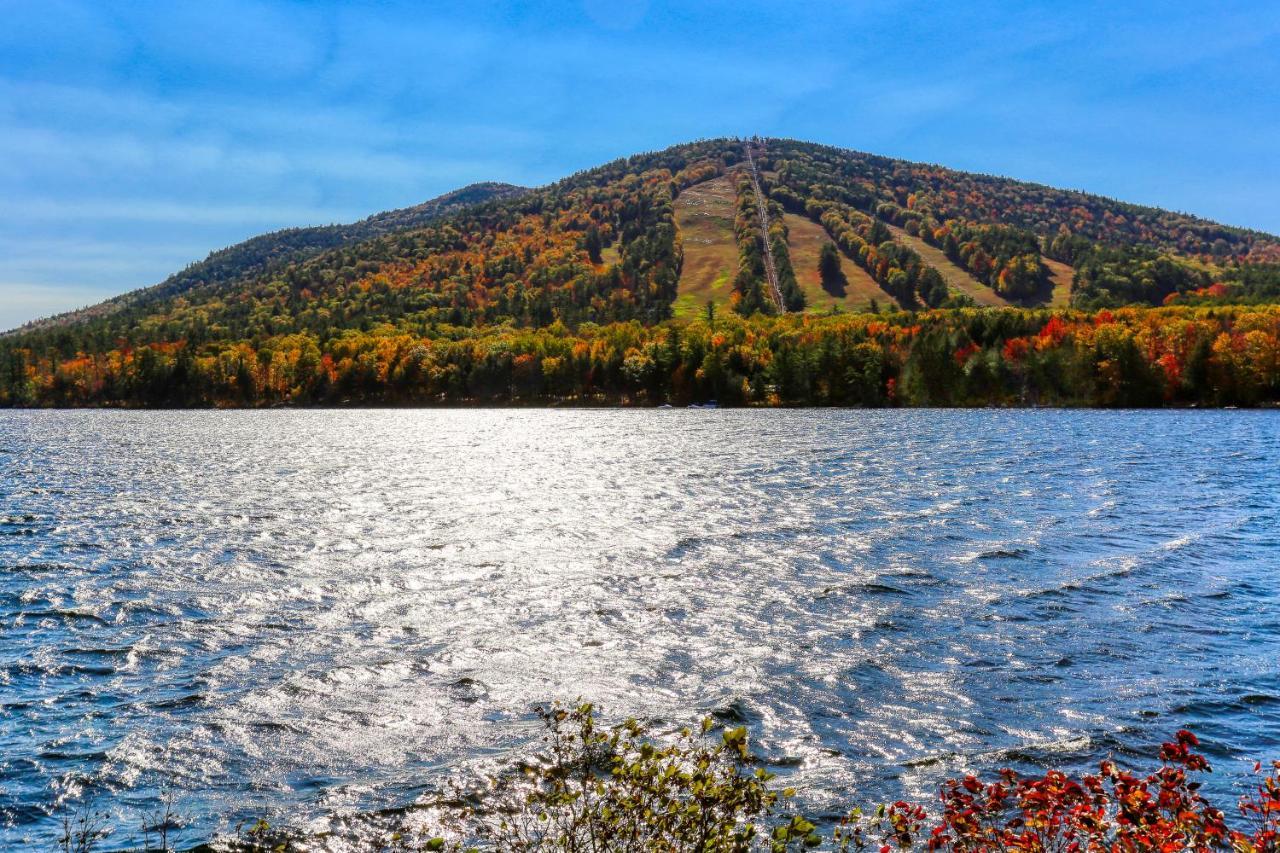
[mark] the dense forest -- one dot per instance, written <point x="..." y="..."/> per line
<point x="565" y="293"/>
<point x="1126" y="357"/>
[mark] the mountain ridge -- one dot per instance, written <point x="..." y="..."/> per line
<point x="285" y="245"/>
<point x="273" y="249"/>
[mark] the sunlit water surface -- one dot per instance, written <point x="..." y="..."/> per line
<point x="323" y="614"/>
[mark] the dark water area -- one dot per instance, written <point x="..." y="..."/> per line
<point x="326" y="613"/>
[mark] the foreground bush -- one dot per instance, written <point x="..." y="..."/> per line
<point x="610" y="790"/>
<point x="619" y="790"/>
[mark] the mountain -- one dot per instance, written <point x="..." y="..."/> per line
<point x="566" y="291"/>
<point x="259" y="255"/>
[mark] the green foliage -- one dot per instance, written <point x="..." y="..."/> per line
<point x="593" y="243"/>
<point x="1006" y="258"/>
<point x="867" y="241"/>
<point x="933" y="289"/>
<point x="1255" y="282"/>
<point x="1109" y="277"/>
<point x="792" y="296"/>
<point x="829" y="267"/>
<point x="750" y="285"/>
<point x="620" y="789"/>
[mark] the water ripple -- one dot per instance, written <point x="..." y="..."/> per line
<point x="326" y="613"/>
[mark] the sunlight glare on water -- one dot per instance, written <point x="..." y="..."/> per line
<point x="323" y="613"/>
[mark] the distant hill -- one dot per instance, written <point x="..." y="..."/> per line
<point x="257" y="255"/>
<point x="696" y="231"/>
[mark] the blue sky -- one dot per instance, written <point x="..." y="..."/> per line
<point x="135" y="137"/>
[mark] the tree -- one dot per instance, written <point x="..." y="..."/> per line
<point x="593" y="244"/>
<point x="932" y="287"/>
<point x="833" y="280"/>
<point x="899" y="284"/>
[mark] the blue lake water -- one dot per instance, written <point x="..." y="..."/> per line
<point x="327" y="613"/>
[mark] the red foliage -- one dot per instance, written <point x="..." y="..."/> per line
<point x="1262" y="810"/>
<point x="1016" y="349"/>
<point x="966" y="352"/>
<point x="1112" y="811"/>
<point x="1054" y="331"/>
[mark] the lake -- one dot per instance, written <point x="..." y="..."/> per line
<point x="326" y="613"/>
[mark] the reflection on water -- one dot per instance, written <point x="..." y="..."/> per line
<point x="330" y="612"/>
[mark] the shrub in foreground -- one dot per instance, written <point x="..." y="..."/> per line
<point x="595" y="789"/>
<point x="616" y="789"/>
<point x="619" y="790"/>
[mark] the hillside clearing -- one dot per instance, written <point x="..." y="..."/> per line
<point x="805" y="239"/>
<point x="704" y="220"/>
<point x="1061" y="275"/>
<point x="957" y="279"/>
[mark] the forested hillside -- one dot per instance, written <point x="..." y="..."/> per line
<point x="258" y="255"/>
<point x="586" y="290"/>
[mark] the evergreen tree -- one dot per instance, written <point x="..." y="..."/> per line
<point x="833" y="280"/>
<point x="594" y="244"/>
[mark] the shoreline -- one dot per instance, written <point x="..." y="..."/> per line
<point x="487" y="405"/>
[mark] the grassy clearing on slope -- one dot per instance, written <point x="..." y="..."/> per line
<point x="1061" y="275"/>
<point x="957" y="279"/>
<point x="805" y="240"/>
<point x="704" y="217"/>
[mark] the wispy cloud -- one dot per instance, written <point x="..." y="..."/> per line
<point x="171" y="129"/>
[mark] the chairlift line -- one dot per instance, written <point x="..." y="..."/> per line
<point x="771" y="272"/>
